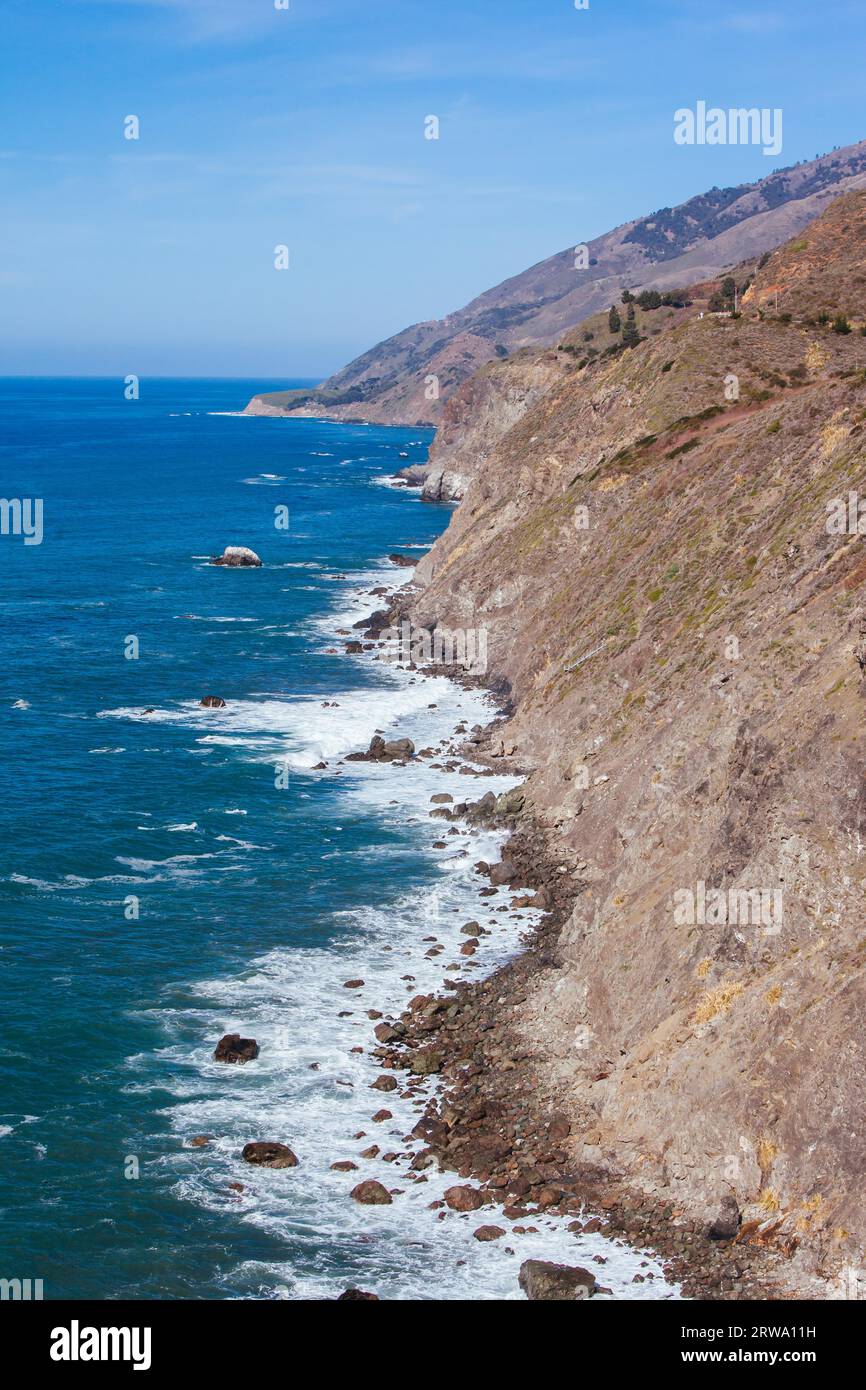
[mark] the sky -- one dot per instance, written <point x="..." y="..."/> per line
<point x="304" y="127"/>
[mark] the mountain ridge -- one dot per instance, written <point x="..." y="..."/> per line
<point x="393" y="382"/>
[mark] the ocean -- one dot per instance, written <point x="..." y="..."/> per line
<point x="170" y="873"/>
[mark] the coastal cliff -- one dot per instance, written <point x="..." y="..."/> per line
<point x="661" y="545"/>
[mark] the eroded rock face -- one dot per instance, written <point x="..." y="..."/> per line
<point x="545" y="1282"/>
<point x="237" y="557"/>
<point x="269" y="1155"/>
<point x="233" y="1048"/>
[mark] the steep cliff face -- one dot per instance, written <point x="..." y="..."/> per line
<point x="408" y="378"/>
<point x="658" y="544"/>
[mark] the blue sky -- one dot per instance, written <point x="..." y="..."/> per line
<point x="306" y="127"/>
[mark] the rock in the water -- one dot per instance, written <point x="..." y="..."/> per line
<point x="463" y="1198"/>
<point x="384" y="1083"/>
<point x="488" y="1233"/>
<point x="543" y="1281"/>
<point x="397" y="559"/>
<point x="233" y="1048"/>
<point x="269" y="1155"/>
<point x="371" y="1194"/>
<point x="237" y="557"/>
<point x="727" y="1223"/>
<point x="382" y="752"/>
<point x="212" y="702"/>
<point x="357" y="1295"/>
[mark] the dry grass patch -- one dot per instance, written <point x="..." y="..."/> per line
<point x="717" y="1001"/>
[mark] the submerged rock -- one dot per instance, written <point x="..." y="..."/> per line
<point x="543" y="1281"/>
<point x="233" y="1048"/>
<point x="237" y="557"/>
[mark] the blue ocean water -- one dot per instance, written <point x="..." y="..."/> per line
<point x="160" y="884"/>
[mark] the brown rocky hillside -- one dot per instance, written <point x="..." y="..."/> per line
<point x="671" y="247"/>
<point x="681" y="639"/>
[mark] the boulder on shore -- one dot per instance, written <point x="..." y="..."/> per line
<point x="543" y="1281"/>
<point x="727" y="1223"/>
<point x="502" y="872"/>
<point x="425" y="1062"/>
<point x="233" y="1048"/>
<point x="237" y="557"/>
<point x="269" y="1155"/>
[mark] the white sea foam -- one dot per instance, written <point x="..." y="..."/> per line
<point x="68" y="883"/>
<point x="310" y="1090"/>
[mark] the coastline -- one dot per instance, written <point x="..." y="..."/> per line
<point x="318" y="1084"/>
<point x="489" y="1120"/>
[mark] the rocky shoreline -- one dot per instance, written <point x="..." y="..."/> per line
<point x="489" y="1123"/>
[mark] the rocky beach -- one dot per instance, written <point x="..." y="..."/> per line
<point x="520" y="1157"/>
